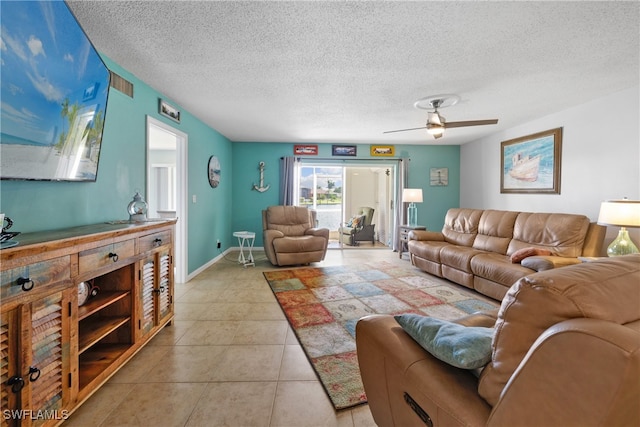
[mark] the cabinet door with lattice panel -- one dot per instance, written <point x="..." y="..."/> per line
<point x="11" y="380"/>
<point x="46" y="357"/>
<point x="146" y="294"/>
<point x="165" y="285"/>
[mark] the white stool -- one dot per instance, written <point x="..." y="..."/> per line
<point x="245" y="238"/>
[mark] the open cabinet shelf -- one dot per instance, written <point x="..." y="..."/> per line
<point x="100" y="301"/>
<point x="92" y="331"/>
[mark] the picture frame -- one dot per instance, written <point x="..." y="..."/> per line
<point x="168" y="110"/>
<point x="344" y="150"/>
<point x="532" y="163"/>
<point x="305" y="150"/>
<point x="382" y="150"/>
<point x="439" y="177"/>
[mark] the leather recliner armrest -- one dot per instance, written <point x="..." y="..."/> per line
<point x="426" y="235"/>
<point x="579" y="372"/>
<point x="322" y="232"/>
<point x="393" y="365"/>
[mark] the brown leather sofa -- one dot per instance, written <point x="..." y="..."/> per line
<point x="565" y="352"/>
<point x="475" y="246"/>
<point x="290" y="238"/>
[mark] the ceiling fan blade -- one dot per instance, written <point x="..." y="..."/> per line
<point x="404" y="130"/>
<point x="448" y="125"/>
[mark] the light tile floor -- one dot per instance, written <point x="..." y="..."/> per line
<point x="229" y="359"/>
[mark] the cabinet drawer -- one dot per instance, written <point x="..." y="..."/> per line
<point x="155" y="240"/>
<point x="105" y="255"/>
<point x="34" y="276"/>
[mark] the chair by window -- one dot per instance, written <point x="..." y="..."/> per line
<point x="359" y="228"/>
<point x="290" y="236"/>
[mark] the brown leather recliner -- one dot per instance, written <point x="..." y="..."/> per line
<point x="565" y="352"/>
<point x="290" y="238"/>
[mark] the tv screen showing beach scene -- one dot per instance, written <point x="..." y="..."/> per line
<point x="54" y="94"/>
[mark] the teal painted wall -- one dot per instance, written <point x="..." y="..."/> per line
<point x="36" y="206"/>
<point x="233" y="205"/>
<point x="248" y="204"/>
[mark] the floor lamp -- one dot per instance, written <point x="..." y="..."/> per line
<point x="413" y="196"/>
<point x="622" y="213"/>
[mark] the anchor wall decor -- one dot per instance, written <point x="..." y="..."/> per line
<point x="261" y="188"/>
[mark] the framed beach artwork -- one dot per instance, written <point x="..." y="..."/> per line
<point x="439" y="177"/>
<point x="382" y="150"/>
<point x="168" y="110"/>
<point x="531" y="164"/>
<point x="306" y="150"/>
<point x="344" y="150"/>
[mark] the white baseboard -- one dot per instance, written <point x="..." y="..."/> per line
<point x="218" y="258"/>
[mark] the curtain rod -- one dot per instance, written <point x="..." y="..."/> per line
<point x="345" y="160"/>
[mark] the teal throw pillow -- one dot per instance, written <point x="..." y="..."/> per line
<point x="466" y="347"/>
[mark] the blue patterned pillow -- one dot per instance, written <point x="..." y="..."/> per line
<point x="466" y="347"/>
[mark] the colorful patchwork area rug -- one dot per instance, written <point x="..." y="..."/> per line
<point x="324" y="304"/>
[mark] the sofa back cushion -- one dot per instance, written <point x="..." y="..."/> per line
<point x="495" y="231"/>
<point x="290" y="220"/>
<point x="606" y="289"/>
<point x="461" y="226"/>
<point x="562" y="234"/>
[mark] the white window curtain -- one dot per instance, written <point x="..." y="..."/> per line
<point x="288" y="180"/>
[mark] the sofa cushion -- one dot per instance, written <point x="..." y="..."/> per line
<point x="458" y="257"/>
<point x="466" y="347"/>
<point x="498" y="268"/>
<point x="299" y="244"/>
<point x="461" y="226"/>
<point x="495" y="231"/>
<point x="596" y="290"/>
<point x="562" y="234"/>
<point x="523" y="253"/>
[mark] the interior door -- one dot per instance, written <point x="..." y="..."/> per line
<point x="167" y="184"/>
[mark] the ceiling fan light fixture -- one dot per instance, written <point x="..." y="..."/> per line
<point x="435" y="129"/>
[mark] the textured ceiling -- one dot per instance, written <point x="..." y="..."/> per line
<point x="347" y="71"/>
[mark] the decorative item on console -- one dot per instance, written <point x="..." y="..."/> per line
<point x="261" y="188"/>
<point x="87" y="290"/>
<point x="137" y="209"/>
<point x="6" y="236"/>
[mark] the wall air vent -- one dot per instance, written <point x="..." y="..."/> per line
<point x="120" y="83"/>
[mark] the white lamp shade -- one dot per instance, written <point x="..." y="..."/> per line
<point x="412" y="195"/>
<point x="622" y="213"/>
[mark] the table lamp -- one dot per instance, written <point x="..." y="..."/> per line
<point x="413" y="196"/>
<point x="622" y="213"/>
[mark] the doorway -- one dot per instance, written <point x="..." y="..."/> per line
<point x="167" y="184"/>
<point x="336" y="192"/>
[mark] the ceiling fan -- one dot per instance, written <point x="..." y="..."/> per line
<point x="436" y="124"/>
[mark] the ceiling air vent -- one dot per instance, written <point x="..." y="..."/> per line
<point x="121" y="84"/>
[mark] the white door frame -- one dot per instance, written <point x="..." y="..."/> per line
<point x="180" y="248"/>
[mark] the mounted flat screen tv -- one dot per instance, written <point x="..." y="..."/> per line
<point x="54" y="94"/>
